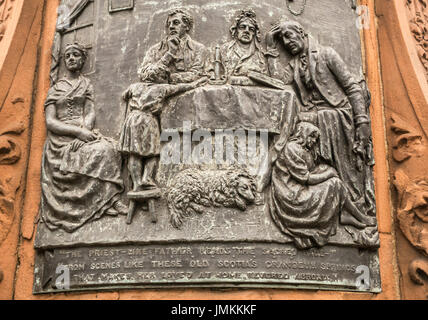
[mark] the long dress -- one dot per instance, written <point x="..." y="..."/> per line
<point x="307" y="213"/>
<point x="77" y="186"/>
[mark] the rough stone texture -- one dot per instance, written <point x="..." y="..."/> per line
<point x="21" y="37"/>
<point x="406" y="97"/>
<point x="24" y="273"/>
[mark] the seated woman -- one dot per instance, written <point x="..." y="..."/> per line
<point x="307" y="198"/>
<point x="81" y="169"/>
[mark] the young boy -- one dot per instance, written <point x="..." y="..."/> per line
<point x="140" y="134"/>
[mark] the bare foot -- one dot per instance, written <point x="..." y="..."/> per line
<point x="347" y="219"/>
<point x="112" y="212"/>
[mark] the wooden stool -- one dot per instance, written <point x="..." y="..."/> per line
<point x="145" y="195"/>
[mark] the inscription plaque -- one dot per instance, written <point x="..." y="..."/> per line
<point x="207" y="143"/>
<point x="214" y="264"/>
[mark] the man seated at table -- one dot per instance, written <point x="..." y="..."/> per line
<point x="178" y="53"/>
<point x="244" y="53"/>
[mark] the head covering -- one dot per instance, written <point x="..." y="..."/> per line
<point x="303" y="131"/>
<point x="77" y="46"/>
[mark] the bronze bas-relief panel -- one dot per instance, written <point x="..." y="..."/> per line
<point x="211" y="144"/>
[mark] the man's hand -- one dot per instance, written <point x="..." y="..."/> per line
<point x="270" y="37"/>
<point x="363" y="133"/>
<point x="200" y="82"/>
<point x="173" y="44"/>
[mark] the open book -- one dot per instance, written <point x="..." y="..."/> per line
<point x="266" y="80"/>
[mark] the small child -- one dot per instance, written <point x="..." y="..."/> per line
<point x="140" y="134"/>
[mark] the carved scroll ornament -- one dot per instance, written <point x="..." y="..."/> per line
<point x="418" y="25"/>
<point x="10" y="153"/>
<point x="412" y="211"/>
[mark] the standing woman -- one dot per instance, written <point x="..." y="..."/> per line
<point x="81" y="169"/>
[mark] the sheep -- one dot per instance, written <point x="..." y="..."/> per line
<point x="192" y="190"/>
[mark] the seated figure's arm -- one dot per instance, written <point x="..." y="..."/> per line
<point x="276" y="70"/>
<point x="183" y="77"/>
<point x="351" y="87"/>
<point x="354" y="92"/>
<point x="60" y="128"/>
<point x="298" y="169"/>
<point x="295" y="163"/>
<point x="183" y="87"/>
<point x="152" y="62"/>
<point x="158" y="93"/>
<point x="317" y="178"/>
<point x="90" y="109"/>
